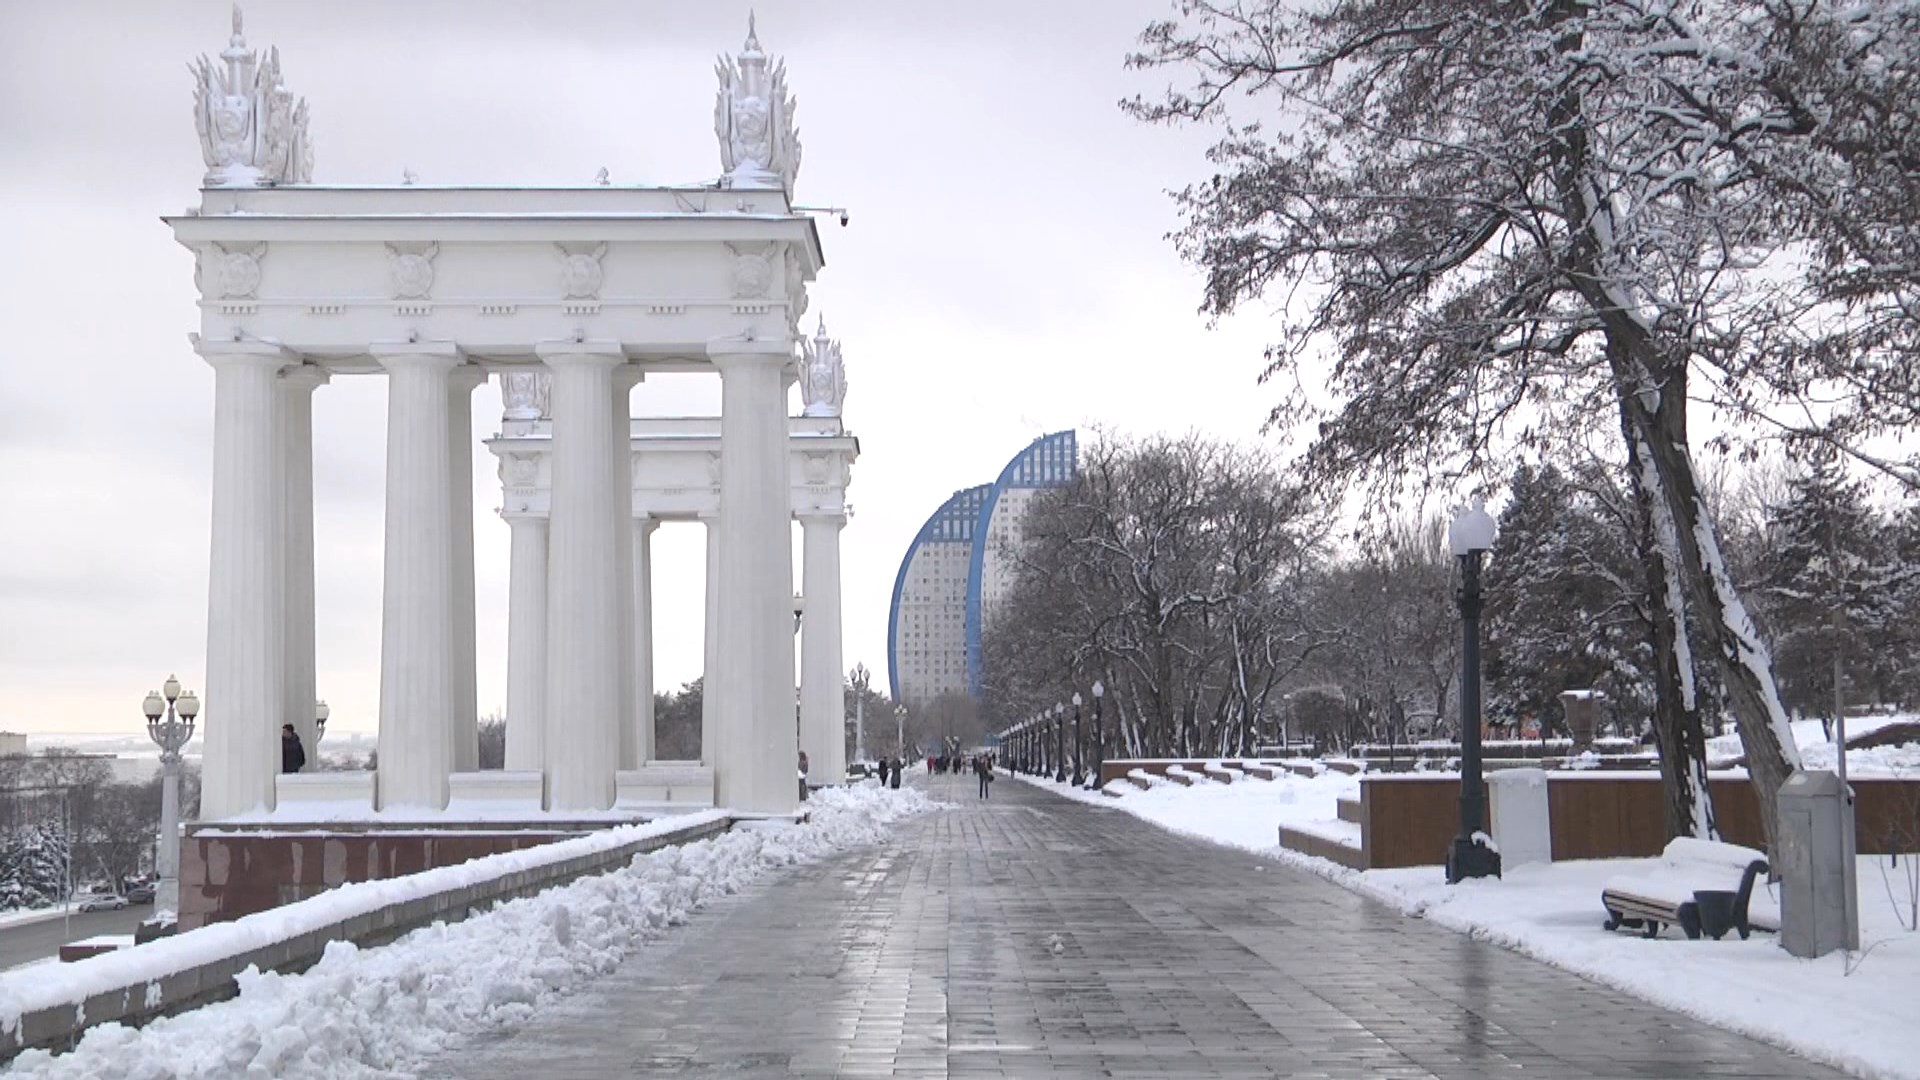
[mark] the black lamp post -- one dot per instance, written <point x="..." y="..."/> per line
<point x="1099" y="740"/>
<point x="1469" y="537"/>
<point x="1059" y="743"/>
<point x="1079" y="746"/>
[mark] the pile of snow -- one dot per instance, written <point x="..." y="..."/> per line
<point x="1246" y="813"/>
<point x="1817" y="751"/>
<point x="372" y="1012"/>
<point x="1860" y="1020"/>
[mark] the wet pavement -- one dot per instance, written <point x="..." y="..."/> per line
<point x="1029" y="936"/>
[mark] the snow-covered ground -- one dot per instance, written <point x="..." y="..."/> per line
<point x="1816" y="752"/>
<point x="1855" y="1012"/>
<point x="372" y="1012"/>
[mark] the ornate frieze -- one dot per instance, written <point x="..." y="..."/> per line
<point x="252" y="131"/>
<point x="753" y="118"/>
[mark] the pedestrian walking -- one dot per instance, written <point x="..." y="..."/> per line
<point x="897" y="766"/>
<point x="984" y="770"/>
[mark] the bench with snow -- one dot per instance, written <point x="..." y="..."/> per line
<point x="1691" y="875"/>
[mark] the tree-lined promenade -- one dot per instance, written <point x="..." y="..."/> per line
<point x="1499" y="231"/>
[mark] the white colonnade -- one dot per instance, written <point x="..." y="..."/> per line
<point x="573" y="294"/>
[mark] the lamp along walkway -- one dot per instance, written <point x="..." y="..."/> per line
<point x="1029" y="936"/>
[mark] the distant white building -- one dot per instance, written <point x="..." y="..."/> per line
<point x="12" y="742"/>
<point x="958" y="569"/>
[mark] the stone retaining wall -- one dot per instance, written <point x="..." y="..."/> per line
<point x="59" y="1027"/>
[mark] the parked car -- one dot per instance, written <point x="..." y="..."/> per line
<point x="103" y="902"/>
<point x="140" y="894"/>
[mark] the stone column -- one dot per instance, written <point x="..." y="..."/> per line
<point x="527" y="643"/>
<point x="823" y="700"/>
<point x="584" y="676"/>
<point x="246" y="584"/>
<point x="464" y="729"/>
<point x="417" y="633"/>
<point x="625" y="378"/>
<point x="755" y="660"/>
<point x="643" y="528"/>
<point x="709" y="685"/>
<point x="297" y="385"/>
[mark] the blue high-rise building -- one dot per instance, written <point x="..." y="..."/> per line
<point x="958" y="568"/>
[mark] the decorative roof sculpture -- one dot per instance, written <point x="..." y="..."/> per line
<point x="753" y="116"/>
<point x="252" y="131"/>
<point x="823" y="375"/>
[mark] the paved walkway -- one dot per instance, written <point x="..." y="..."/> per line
<point x="1033" y="937"/>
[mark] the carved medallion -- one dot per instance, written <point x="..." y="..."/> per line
<point x="231" y="273"/>
<point x="580" y="271"/>
<point x="752" y="270"/>
<point x="411" y="266"/>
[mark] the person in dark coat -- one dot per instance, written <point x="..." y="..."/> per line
<point x="984" y="770"/>
<point x="894" y="782"/>
<point x="293" y="756"/>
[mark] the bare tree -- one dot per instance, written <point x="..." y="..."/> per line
<point x="1507" y="223"/>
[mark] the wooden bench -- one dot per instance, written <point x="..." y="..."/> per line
<point x="1668" y="894"/>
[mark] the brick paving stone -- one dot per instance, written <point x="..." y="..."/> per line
<point x="1028" y="936"/>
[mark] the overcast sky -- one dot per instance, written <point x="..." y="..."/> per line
<point x="1005" y="274"/>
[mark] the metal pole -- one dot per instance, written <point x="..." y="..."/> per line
<point x="1469" y="858"/>
<point x="1059" y="745"/>
<point x="166" y="896"/>
<point x="1079" y="747"/>
<point x="1099" y="747"/>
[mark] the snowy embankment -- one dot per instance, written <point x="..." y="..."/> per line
<point x="1855" y="1012"/>
<point x="371" y="1012"/>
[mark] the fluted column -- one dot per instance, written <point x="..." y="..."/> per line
<point x="246" y="583"/>
<point x="527" y="643"/>
<point x="417" y="632"/>
<point x="297" y="384"/>
<point x="710" y="689"/>
<point x="755" y="664"/>
<point x="625" y="378"/>
<point x="643" y="528"/>
<point x="823" y="700"/>
<point x="464" y="727"/>
<point x="584" y="676"/>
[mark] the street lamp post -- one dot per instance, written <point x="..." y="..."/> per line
<point x="170" y="725"/>
<point x="861" y="679"/>
<point x="1079" y="746"/>
<point x="1099" y="740"/>
<point x="900" y="731"/>
<point x="1469" y="537"/>
<point x="1059" y="743"/>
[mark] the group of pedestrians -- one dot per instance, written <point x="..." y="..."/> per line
<point x="890" y="772"/>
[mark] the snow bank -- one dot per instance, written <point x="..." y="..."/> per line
<point x="1860" y="1021"/>
<point x="371" y="1012"/>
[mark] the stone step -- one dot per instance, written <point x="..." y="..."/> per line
<point x="1306" y="843"/>
<point x="1349" y="810"/>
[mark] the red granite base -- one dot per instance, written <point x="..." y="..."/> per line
<point x="227" y="872"/>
